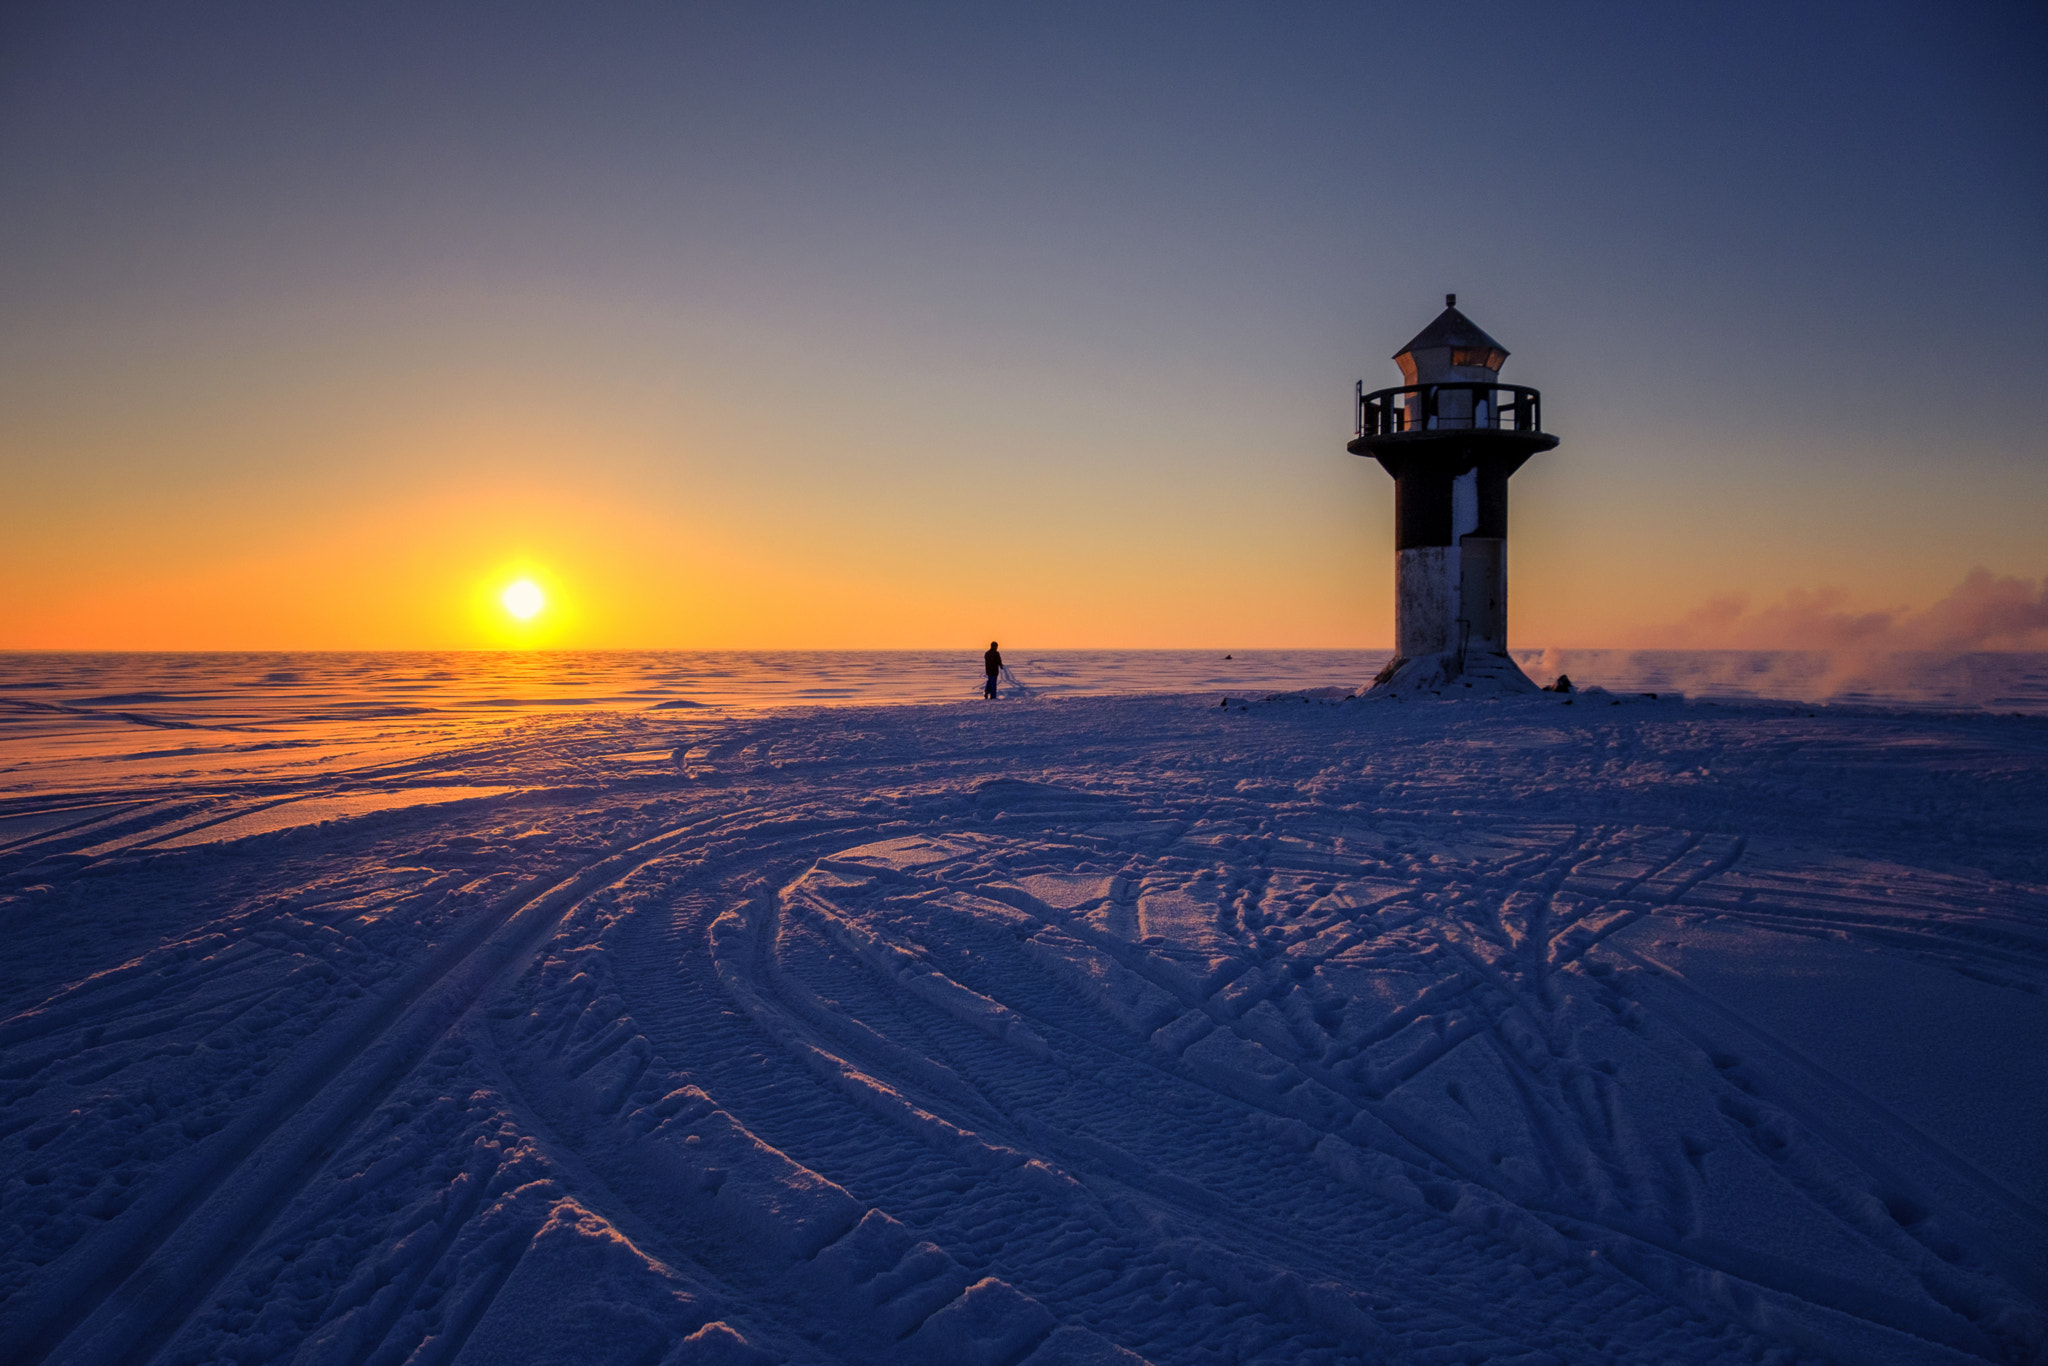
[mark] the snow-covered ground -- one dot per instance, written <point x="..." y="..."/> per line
<point x="1085" y="1030"/>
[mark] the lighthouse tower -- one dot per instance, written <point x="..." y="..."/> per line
<point x="1450" y="436"/>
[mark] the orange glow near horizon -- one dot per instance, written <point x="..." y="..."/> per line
<point x="637" y="536"/>
<point x="432" y="573"/>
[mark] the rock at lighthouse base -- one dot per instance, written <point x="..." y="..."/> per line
<point x="1487" y="674"/>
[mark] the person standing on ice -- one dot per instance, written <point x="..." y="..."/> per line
<point x="993" y="662"/>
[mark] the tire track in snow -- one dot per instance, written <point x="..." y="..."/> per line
<point x="158" y="1261"/>
<point x="1202" y="1208"/>
<point x="1519" y="977"/>
<point x="1540" y="961"/>
<point x="695" y="1017"/>
<point x="982" y="1185"/>
<point x="1000" y="1172"/>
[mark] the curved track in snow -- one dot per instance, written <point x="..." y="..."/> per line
<point x="1082" y="1032"/>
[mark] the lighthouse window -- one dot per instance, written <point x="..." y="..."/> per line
<point x="1490" y="359"/>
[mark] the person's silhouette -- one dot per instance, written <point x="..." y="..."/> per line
<point x="993" y="662"/>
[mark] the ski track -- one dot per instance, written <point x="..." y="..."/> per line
<point x="1106" y="1030"/>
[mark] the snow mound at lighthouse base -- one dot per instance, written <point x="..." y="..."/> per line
<point x="1447" y="676"/>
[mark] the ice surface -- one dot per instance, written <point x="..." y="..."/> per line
<point x="311" y="810"/>
<point x="1097" y="1030"/>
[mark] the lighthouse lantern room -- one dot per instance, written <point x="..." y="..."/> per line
<point x="1451" y="436"/>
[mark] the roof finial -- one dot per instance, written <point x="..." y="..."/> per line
<point x="1450" y="301"/>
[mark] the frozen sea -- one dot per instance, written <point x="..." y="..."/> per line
<point x="692" y="1008"/>
<point x="228" y="689"/>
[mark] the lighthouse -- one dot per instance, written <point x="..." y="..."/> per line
<point x="1451" y="435"/>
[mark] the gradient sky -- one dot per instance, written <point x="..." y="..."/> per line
<point x="877" y="325"/>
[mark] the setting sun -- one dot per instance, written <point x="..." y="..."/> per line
<point x="523" y="599"/>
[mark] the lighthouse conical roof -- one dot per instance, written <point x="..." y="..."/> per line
<point x="1451" y="328"/>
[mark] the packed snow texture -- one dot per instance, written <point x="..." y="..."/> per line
<point x="1099" y="1030"/>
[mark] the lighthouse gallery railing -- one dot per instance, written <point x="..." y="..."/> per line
<point x="1450" y="406"/>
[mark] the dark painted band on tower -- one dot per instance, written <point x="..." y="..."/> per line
<point x="1423" y="503"/>
<point x="1422" y="508"/>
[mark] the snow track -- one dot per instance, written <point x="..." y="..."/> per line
<point x="164" y="1253"/>
<point x="1096" y="1031"/>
